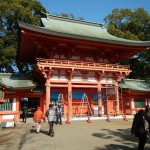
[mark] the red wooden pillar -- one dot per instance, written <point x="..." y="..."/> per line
<point x="18" y="107"/>
<point x="99" y="100"/>
<point x="69" y="115"/>
<point x="69" y="101"/>
<point x="99" y="94"/>
<point x="47" y="102"/>
<point x="117" y="99"/>
<point x="41" y="103"/>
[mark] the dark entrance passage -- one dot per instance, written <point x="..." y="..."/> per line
<point x="31" y="103"/>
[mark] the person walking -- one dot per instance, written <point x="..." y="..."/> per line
<point x="51" y="116"/>
<point x="24" y="112"/>
<point x="147" y="114"/>
<point x="38" y="116"/>
<point x="58" y="115"/>
<point x="140" y="129"/>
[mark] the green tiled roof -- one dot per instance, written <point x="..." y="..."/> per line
<point x="16" y="81"/>
<point x="78" y="29"/>
<point x="136" y="85"/>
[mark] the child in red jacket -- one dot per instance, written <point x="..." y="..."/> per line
<point x="38" y="116"/>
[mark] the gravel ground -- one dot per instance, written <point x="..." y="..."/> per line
<point x="79" y="135"/>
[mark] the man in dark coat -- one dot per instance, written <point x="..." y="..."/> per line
<point x="24" y="112"/>
<point x="139" y="129"/>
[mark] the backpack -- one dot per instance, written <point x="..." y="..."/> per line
<point x="51" y="115"/>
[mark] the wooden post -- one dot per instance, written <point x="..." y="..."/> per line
<point x="99" y="100"/>
<point x="17" y="108"/>
<point x="47" y="94"/>
<point x="99" y="94"/>
<point x="69" y="100"/>
<point x="70" y="72"/>
<point x="117" y="99"/>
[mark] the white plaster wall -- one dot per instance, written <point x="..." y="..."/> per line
<point x="54" y="78"/>
<point x="103" y="80"/>
<point x="14" y="105"/>
<point x="132" y="102"/>
<point x="7" y="117"/>
<point x="92" y="80"/>
<point x="110" y="80"/>
<point x="63" y="78"/>
<point x="96" y="111"/>
<point x="134" y="112"/>
<point x="77" y="79"/>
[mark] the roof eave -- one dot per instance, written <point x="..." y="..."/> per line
<point x="48" y="32"/>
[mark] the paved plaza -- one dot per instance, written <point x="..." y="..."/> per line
<point x="79" y="135"/>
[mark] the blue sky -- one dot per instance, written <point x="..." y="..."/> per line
<point x="92" y="10"/>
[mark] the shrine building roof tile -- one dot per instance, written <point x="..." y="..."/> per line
<point x="136" y="85"/>
<point x="16" y="81"/>
<point x="65" y="27"/>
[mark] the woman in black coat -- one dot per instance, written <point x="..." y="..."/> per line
<point x="139" y="128"/>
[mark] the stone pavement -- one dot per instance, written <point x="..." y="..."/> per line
<point x="79" y="135"/>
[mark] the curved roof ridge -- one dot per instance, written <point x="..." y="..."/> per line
<point x="61" y="18"/>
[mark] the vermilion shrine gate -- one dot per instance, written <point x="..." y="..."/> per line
<point x="73" y="57"/>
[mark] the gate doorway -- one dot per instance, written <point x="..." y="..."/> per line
<point x="31" y="103"/>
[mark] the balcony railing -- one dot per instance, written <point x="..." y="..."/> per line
<point x="80" y="65"/>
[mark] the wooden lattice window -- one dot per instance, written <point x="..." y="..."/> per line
<point x="7" y="106"/>
<point x="139" y="103"/>
<point x="1" y="94"/>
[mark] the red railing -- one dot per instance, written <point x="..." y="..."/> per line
<point x="80" y="64"/>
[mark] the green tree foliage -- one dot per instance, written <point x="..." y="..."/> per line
<point x="132" y="25"/>
<point x="28" y="11"/>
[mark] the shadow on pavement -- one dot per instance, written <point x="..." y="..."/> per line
<point x="42" y="131"/>
<point x="125" y="138"/>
